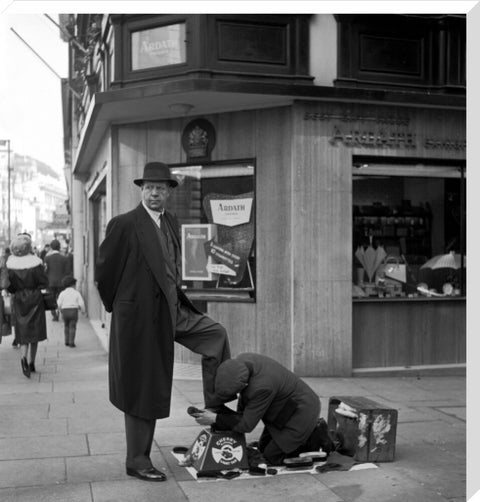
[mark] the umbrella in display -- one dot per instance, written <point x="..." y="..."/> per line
<point x="380" y="255"/>
<point x="360" y="255"/>
<point x="449" y="260"/>
<point x="370" y="255"/>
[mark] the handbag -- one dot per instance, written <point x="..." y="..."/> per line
<point x="5" y="328"/>
<point x="7" y="305"/>
<point x="49" y="301"/>
<point x="392" y="268"/>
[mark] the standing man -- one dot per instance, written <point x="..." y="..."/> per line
<point x="56" y="268"/>
<point x="138" y="276"/>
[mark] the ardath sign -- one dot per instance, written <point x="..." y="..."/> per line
<point x="231" y="212"/>
<point x="159" y="46"/>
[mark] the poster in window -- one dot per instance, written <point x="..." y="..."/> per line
<point x="196" y="264"/>
<point x="233" y="245"/>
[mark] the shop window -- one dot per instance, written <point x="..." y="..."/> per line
<point x="215" y="207"/>
<point x="408" y="231"/>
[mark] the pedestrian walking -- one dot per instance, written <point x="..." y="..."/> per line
<point x="5" y="299"/>
<point x="6" y="304"/>
<point x="68" y="253"/>
<point x="56" y="265"/>
<point x="27" y="278"/>
<point x="138" y="274"/>
<point x="45" y="251"/>
<point x="69" y="302"/>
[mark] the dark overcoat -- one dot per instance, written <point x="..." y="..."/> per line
<point x="271" y="393"/>
<point x="57" y="268"/>
<point x="27" y="278"/>
<point x="131" y="279"/>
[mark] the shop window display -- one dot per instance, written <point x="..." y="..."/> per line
<point x="215" y="207"/>
<point x="408" y="232"/>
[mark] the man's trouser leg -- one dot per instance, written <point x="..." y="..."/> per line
<point x="272" y="453"/>
<point x="204" y="336"/>
<point x="55" y="291"/>
<point x="139" y="434"/>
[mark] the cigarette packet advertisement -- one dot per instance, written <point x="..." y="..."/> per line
<point x="195" y="262"/>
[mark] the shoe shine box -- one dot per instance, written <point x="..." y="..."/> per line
<point x="218" y="451"/>
<point x="365" y="429"/>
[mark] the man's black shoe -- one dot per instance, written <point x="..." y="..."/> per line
<point x="150" y="474"/>
<point x="193" y="411"/>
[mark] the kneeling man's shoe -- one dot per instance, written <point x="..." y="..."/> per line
<point x="149" y="474"/>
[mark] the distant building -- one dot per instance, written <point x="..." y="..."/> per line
<point x="38" y="201"/>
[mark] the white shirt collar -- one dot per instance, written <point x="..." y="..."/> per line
<point x="155" y="215"/>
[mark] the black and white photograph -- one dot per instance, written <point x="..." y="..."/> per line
<point x="237" y="251"/>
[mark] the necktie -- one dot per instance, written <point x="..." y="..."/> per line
<point x="163" y="223"/>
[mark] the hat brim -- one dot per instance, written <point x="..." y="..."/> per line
<point x="140" y="181"/>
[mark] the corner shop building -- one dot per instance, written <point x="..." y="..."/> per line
<point x="313" y="161"/>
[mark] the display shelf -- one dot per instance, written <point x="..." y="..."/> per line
<point x="404" y="228"/>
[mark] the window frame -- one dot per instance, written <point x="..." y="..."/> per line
<point x="224" y="294"/>
<point x="399" y="169"/>
<point x="151" y="22"/>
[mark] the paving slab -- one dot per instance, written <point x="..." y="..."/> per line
<point x="377" y="485"/>
<point x="65" y="410"/>
<point x="12" y="413"/>
<point x="432" y="432"/>
<point x="432" y="468"/>
<point x="114" y="422"/>
<point x="79" y="386"/>
<point x="52" y="493"/>
<point x="454" y="411"/>
<point x="29" y="398"/>
<point x="95" y="468"/>
<point x="100" y="443"/>
<point x="135" y="490"/>
<point x="26" y="386"/>
<point x="43" y="446"/>
<point x="24" y="426"/>
<point x="27" y="472"/>
<point x="92" y="397"/>
<point x="327" y="387"/>
<point x="289" y="488"/>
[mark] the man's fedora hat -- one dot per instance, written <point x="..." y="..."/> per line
<point x="156" y="171"/>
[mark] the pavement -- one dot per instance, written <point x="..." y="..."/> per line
<point x="61" y="439"/>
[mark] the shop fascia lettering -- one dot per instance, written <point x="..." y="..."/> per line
<point x="374" y="139"/>
<point x="392" y="140"/>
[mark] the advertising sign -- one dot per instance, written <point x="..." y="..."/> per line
<point x="161" y="46"/>
<point x="195" y="262"/>
<point x="218" y="451"/>
<point x="229" y="259"/>
<point x="231" y="212"/>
